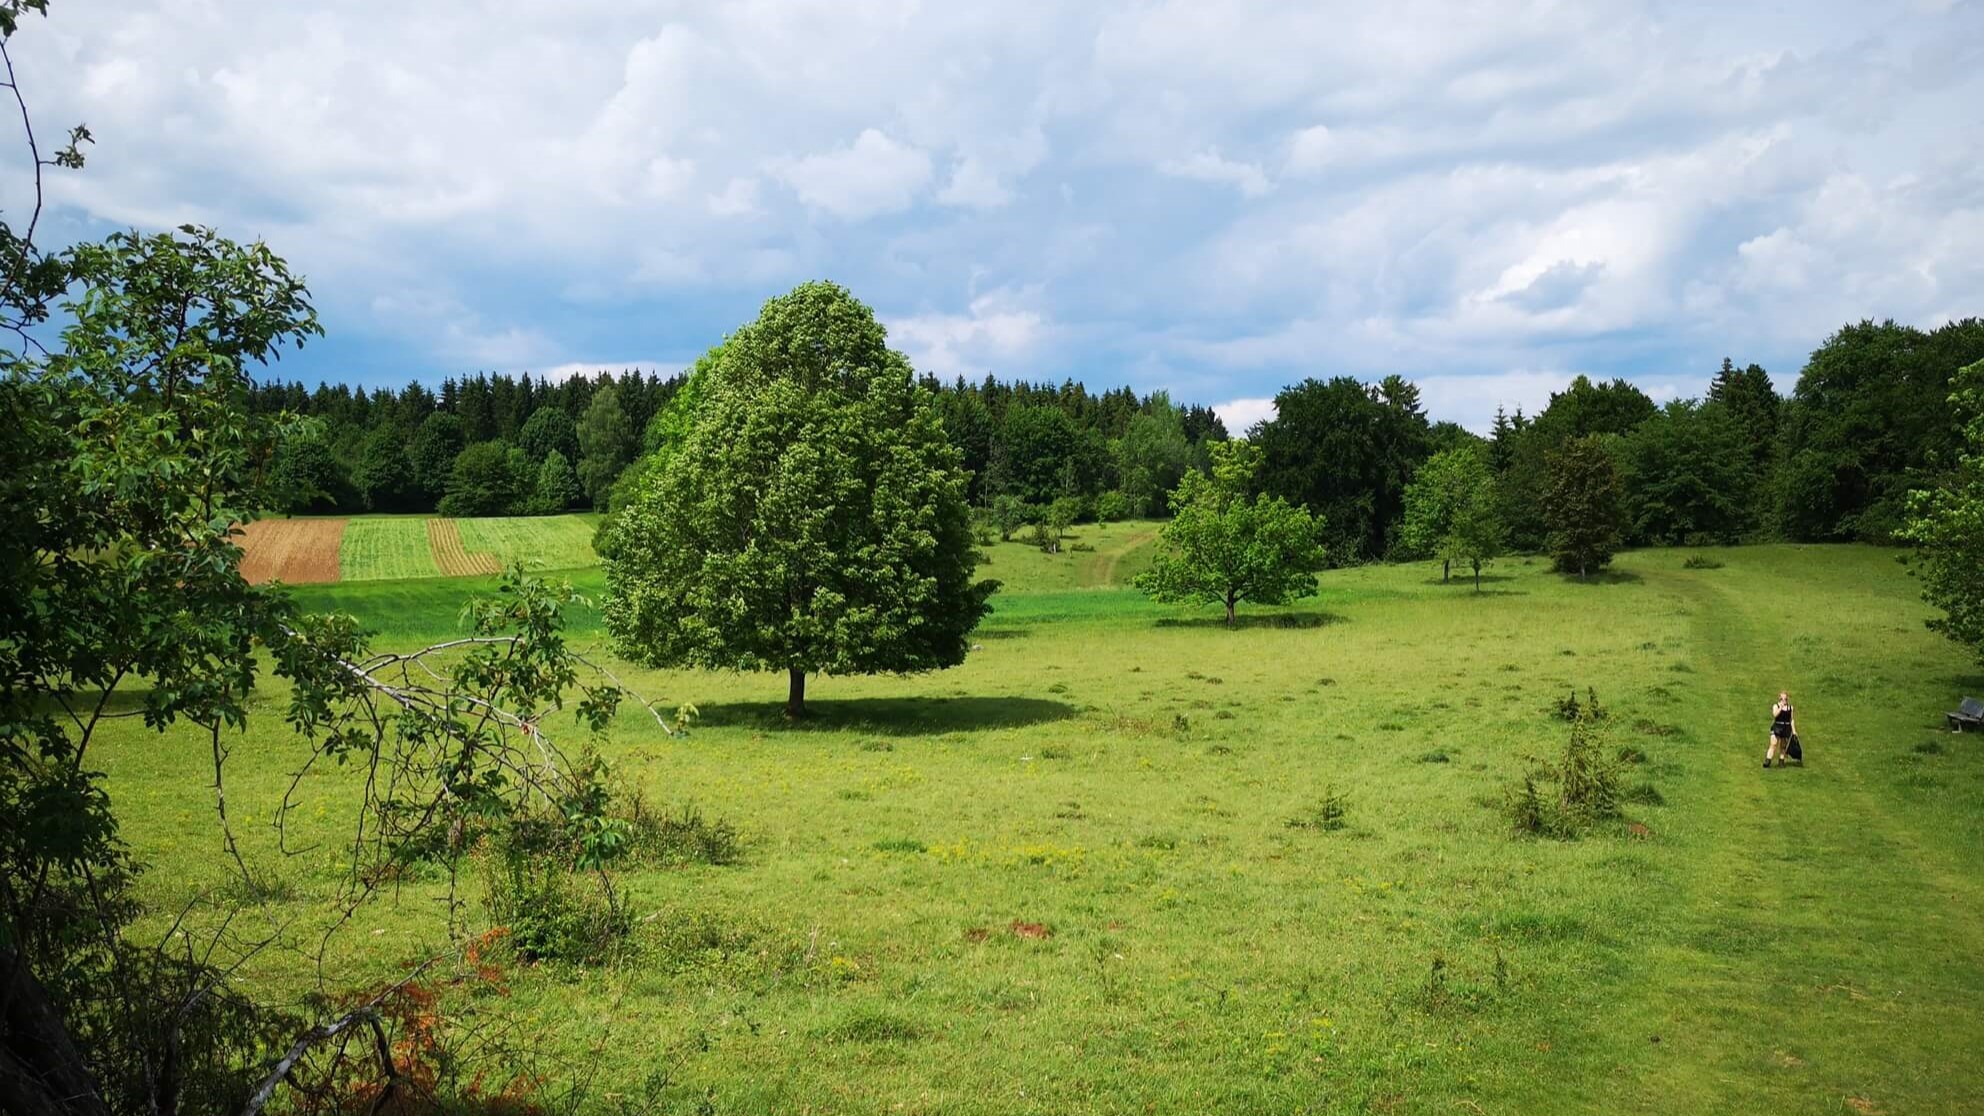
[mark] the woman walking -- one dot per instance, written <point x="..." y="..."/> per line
<point x="1782" y="728"/>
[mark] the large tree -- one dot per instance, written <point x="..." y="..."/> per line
<point x="814" y="520"/>
<point x="1946" y="524"/>
<point x="1688" y="476"/>
<point x="1581" y="506"/>
<point x="1224" y="546"/>
<point x="1152" y="455"/>
<point x="1346" y="451"/>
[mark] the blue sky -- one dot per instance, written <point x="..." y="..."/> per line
<point x="1215" y="199"/>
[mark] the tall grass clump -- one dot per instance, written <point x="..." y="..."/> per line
<point x="1564" y="798"/>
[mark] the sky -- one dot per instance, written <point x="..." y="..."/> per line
<point x="1215" y="199"/>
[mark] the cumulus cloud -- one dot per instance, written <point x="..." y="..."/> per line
<point x="873" y="175"/>
<point x="1240" y="415"/>
<point x="1447" y="193"/>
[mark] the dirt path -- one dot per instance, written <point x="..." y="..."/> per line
<point x="293" y="551"/>
<point x="1101" y="570"/>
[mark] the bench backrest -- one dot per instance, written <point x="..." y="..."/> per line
<point x="1971" y="707"/>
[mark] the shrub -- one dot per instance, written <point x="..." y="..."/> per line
<point x="1700" y="562"/>
<point x="550" y="912"/>
<point x="1327" y="815"/>
<point x="1646" y="794"/>
<point x="1570" y="709"/>
<point x="685" y="837"/>
<point x="1112" y="506"/>
<point x="1047" y="537"/>
<point x="1585" y="779"/>
<point x="1433" y="757"/>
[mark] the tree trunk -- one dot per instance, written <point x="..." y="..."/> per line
<point x="1229" y="612"/>
<point x="795" y="694"/>
<point x="1446" y="570"/>
<point x="41" y="1070"/>
<point x="1477" y="577"/>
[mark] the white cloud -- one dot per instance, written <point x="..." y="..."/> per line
<point x="1210" y="166"/>
<point x="1240" y="415"/>
<point x="873" y="175"/>
<point x="1000" y="327"/>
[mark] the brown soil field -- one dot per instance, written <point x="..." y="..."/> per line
<point x="445" y="540"/>
<point x="294" y="551"/>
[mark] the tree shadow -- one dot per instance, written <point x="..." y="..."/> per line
<point x="1001" y="633"/>
<point x="1604" y="577"/>
<point x="1472" y="592"/>
<point x="1257" y="620"/>
<point x="905" y="716"/>
<point x="1468" y="579"/>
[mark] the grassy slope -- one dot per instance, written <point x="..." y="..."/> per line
<point x="551" y="542"/>
<point x="1793" y="939"/>
<point x="379" y="548"/>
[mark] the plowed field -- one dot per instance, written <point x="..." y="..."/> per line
<point x="295" y="551"/>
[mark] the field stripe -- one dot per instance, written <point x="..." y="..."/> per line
<point x="444" y="539"/>
<point x="381" y="549"/>
<point x="294" y="551"/>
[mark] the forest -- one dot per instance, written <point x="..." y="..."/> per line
<point x="1866" y="419"/>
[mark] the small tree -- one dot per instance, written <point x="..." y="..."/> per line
<point x="1012" y="513"/>
<point x="435" y="446"/>
<point x="1224" y="546"/>
<point x="549" y="430"/>
<point x="814" y="519"/>
<point x="1112" y="506"/>
<point x="1454" y="488"/>
<point x="1946" y="525"/>
<point x="606" y="444"/>
<point x="557" y="485"/>
<point x="1582" y="506"/>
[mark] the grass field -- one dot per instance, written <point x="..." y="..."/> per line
<point x="1061" y="878"/>
<point x="385" y="548"/>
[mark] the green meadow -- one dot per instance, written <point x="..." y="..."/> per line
<point x="1085" y="872"/>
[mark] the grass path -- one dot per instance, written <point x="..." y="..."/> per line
<point x="1100" y="568"/>
<point x="1827" y="958"/>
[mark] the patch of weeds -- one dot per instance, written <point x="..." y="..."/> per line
<point x="1700" y="562"/>
<point x="1571" y="709"/>
<point x="1648" y="727"/>
<point x="1161" y="841"/>
<point x="1325" y="681"/>
<point x="683" y="837"/>
<point x="552" y="911"/>
<point x="1181" y="723"/>
<point x="1327" y="815"/>
<point x="853" y="794"/>
<point x="877" y="746"/>
<point x="1390" y="726"/>
<point x="1681" y="668"/>
<point x="1223" y="715"/>
<point x="1646" y="794"/>
<point x="872" y="1026"/>
<point x="1510" y="668"/>
<point x="1215" y="681"/>
<point x="1432" y="757"/>
<point x="1661" y="693"/>
<point x="901" y="845"/>
<point x="1081" y="548"/>
<point x="1568" y="651"/>
<point x="1194" y="675"/>
<point x="1929" y="748"/>
<point x="1219" y="750"/>
<point x="1564" y="798"/>
<point x="1055" y="752"/>
<point x="1630" y="754"/>
<point x="1070" y="811"/>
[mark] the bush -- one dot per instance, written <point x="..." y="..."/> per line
<point x="1112" y="506"/>
<point x="1586" y="781"/>
<point x="1010" y="513"/>
<point x="550" y="912"/>
<point x="1327" y="815"/>
<point x="1700" y="562"/>
<point x="685" y="837"/>
<point x="1047" y="538"/>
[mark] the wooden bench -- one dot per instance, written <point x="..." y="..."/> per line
<point x="1968" y="716"/>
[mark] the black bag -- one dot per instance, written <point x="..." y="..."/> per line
<point x="1793" y="750"/>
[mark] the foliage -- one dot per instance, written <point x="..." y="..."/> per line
<point x="1346" y="451"/>
<point x="606" y="444"/>
<point x="815" y="519"/>
<point x="384" y="477"/>
<point x="1152" y="455"/>
<point x="1012" y="513"/>
<point x="557" y="485"/>
<point x="1451" y="512"/>
<point x="1688" y="476"/>
<point x="1582" y="507"/>
<point x="1946" y="524"/>
<point x="1868" y="421"/>
<point x="1112" y="507"/>
<point x="433" y="453"/>
<point x="1225" y="546"/>
<point x="549" y="430"/>
<point x="482" y="482"/>
<point x="1328" y="814"/>
<point x="303" y="474"/>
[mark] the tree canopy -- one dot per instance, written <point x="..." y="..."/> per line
<point x="815" y="518"/>
<point x="1225" y="546"/>
<point x="1946" y="523"/>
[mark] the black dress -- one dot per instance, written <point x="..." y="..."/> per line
<point x="1781" y="726"/>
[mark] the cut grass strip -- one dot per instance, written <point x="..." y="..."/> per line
<point x="294" y="551"/>
<point x="547" y="542"/>
<point x="445" y="540"/>
<point x="385" y="550"/>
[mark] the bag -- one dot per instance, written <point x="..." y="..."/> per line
<point x="1793" y="750"/>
